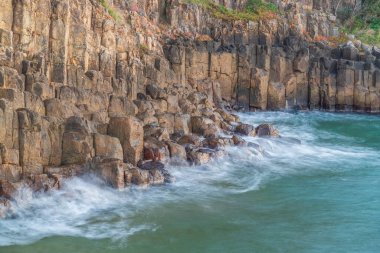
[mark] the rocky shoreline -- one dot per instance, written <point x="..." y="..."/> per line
<point x="82" y="91"/>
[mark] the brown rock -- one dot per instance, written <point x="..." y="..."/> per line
<point x="199" y="156"/>
<point x="266" y="130"/>
<point x="9" y="156"/>
<point x="122" y="106"/>
<point x="30" y="141"/>
<point x="130" y="132"/>
<point x="42" y="182"/>
<point x="203" y="126"/>
<point x="238" y="141"/>
<point x="67" y="171"/>
<point x="172" y="104"/>
<point x="108" y="147"/>
<point x="77" y="142"/>
<point x="136" y="176"/>
<point x="276" y="96"/>
<point x="166" y="120"/>
<point x="190" y="139"/>
<point x="245" y="129"/>
<point x="10" y="172"/>
<point x="7" y="189"/>
<point x="160" y="133"/>
<point x="177" y="151"/>
<point x="112" y="172"/>
<point x="56" y="108"/>
<point x="155" y="150"/>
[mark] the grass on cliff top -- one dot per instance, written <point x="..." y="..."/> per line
<point x="254" y="10"/>
<point x="113" y="13"/>
<point x="364" y="23"/>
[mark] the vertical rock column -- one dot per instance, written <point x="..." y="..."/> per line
<point x="59" y="35"/>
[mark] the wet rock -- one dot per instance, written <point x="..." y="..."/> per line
<point x="177" y="151"/>
<point x="68" y="171"/>
<point x="200" y="156"/>
<point x="190" y="139"/>
<point x="203" y="126"/>
<point x="266" y="130"/>
<point x="238" y="141"/>
<point x="112" y="172"/>
<point x="42" y="182"/>
<point x="155" y="150"/>
<point x="150" y="165"/>
<point x="7" y="189"/>
<point x="245" y="129"/>
<point x="152" y="173"/>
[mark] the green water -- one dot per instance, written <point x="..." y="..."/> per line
<point x="320" y="195"/>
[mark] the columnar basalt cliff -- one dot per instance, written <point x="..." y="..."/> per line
<point x="83" y="91"/>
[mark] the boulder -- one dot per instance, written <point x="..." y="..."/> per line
<point x="151" y="175"/>
<point x="157" y="172"/>
<point x="199" y="156"/>
<point x="7" y="189"/>
<point x="190" y="139"/>
<point x="129" y="130"/>
<point x="177" y="151"/>
<point x="112" y="172"/>
<point x="266" y="130"/>
<point x="155" y="150"/>
<point x="77" y="142"/>
<point x="108" y="147"/>
<point x="160" y="133"/>
<point x="245" y="129"/>
<point x="203" y="126"/>
<point x="238" y="141"/>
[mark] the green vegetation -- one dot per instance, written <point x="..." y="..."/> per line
<point x="363" y="23"/>
<point x="143" y="50"/>
<point x="113" y="13"/>
<point x="254" y="10"/>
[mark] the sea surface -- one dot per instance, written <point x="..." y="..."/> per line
<point x="316" y="189"/>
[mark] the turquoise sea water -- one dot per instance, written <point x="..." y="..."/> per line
<point x="320" y="195"/>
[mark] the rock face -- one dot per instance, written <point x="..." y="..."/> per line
<point x="81" y="92"/>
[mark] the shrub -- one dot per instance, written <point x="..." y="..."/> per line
<point x="113" y="13"/>
<point x="254" y="10"/>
